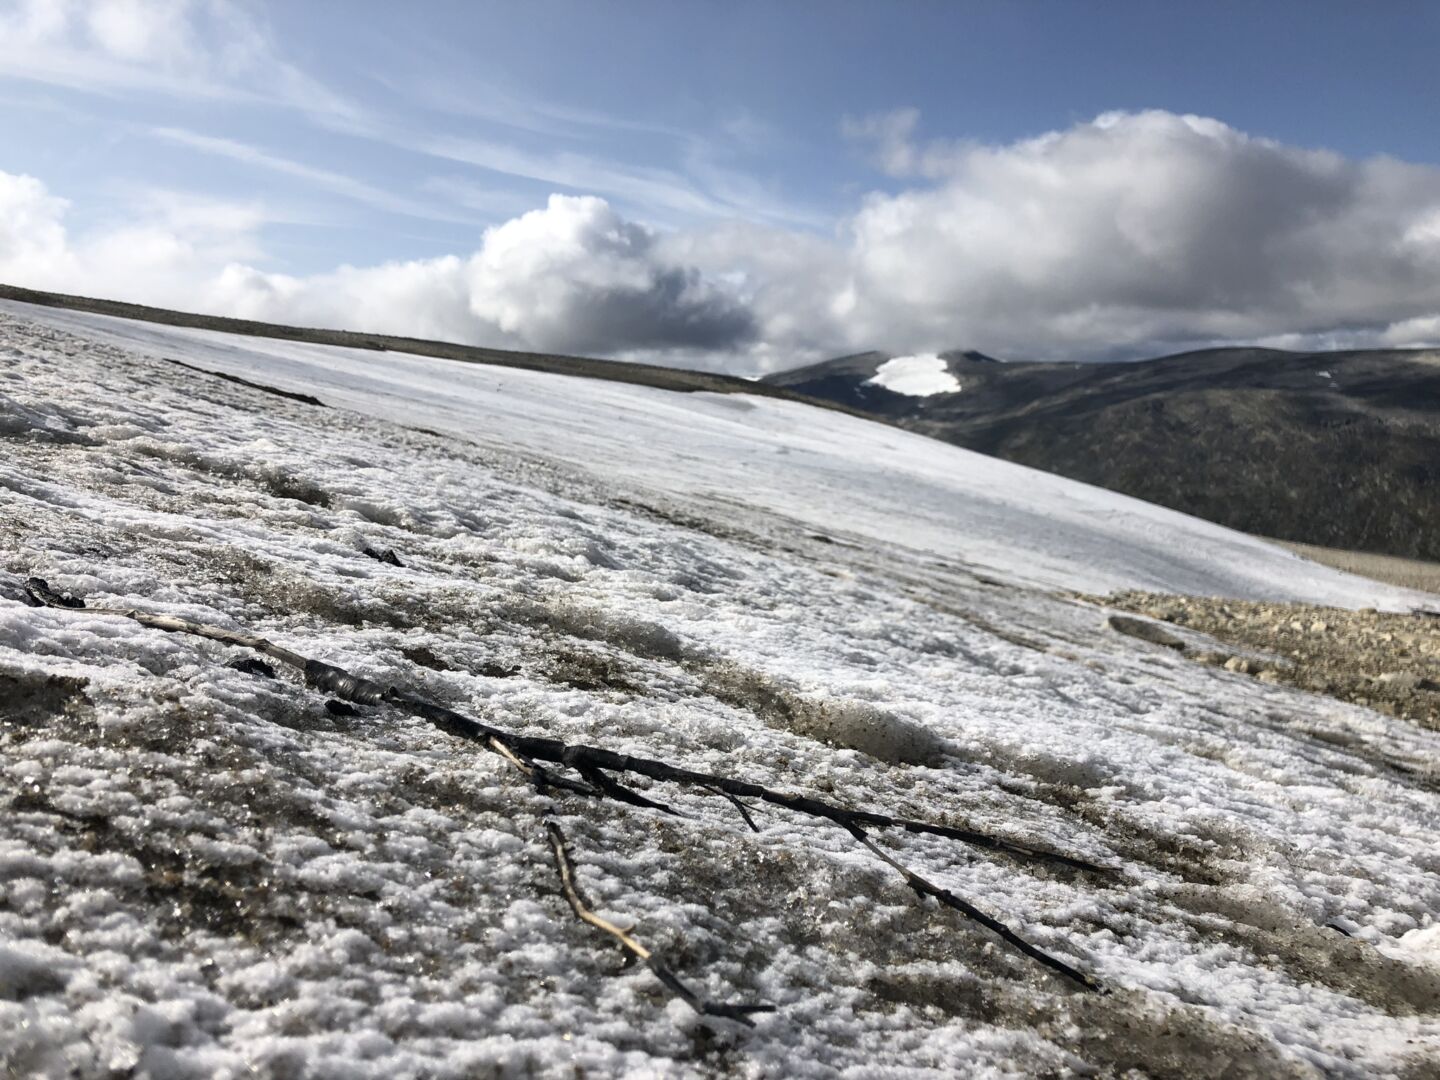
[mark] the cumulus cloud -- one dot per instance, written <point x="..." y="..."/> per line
<point x="576" y="273"/>
<point x="32" y="237"/>
<point x="164" y="254"/>
<point x="1137" y="229"/>
<point x="572" y="277"/>
<point x="1128" y="234"/>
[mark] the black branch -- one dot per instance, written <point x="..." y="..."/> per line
<point x="924" y="887"/>
<point x="593" y="764"/>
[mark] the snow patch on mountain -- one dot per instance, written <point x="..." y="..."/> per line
<point x="915" y="376"/>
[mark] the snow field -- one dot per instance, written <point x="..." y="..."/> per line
<point x="206" y="873"/>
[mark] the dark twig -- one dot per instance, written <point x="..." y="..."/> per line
<point x="39" y="594"/>
<point x="386" y="556"/>
<point x="661" y="970"/>
<point x="542" y="778"/>
<point x="526" y="752"/>
<point x="970" y="911"/>
<point x="621" y="793"/>
<point x="740" y="806"/>
<point x="252" y="665"/>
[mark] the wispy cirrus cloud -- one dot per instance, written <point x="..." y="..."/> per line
<point x="661" y="193"/>
<point x="661" y="189"/>
<point x="223" y="51"/>
<point x="187" y="49"/>
<point x="326" y="180"/>
<point x="495" y="104"/>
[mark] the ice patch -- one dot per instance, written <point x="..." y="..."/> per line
<point x="1424" y="941"/>
<point x="916" y="376"/>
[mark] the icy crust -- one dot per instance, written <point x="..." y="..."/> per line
<point x="203" y="872"/>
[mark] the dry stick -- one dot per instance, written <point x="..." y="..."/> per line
<point x="740" y="806"/>
<point x="970" y="911"/>
<point x="536" y="775"/>
<point x="527" y="750"/>
<point x="583" y="911"/>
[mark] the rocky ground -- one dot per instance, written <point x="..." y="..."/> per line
<point x="1386" y="661"/>
<point x="1419" y="574"/>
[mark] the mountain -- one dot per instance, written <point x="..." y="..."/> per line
<point x="1333" y="448"/>
<point x="389" y="667"/>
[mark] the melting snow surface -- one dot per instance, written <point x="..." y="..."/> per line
<point x="205" y="872"/>
<point x="917" y="376"/>
<point x="820" y="468"/>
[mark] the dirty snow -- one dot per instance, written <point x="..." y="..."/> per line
<point x="915" y="376"/>
<point x="204" y="872"/>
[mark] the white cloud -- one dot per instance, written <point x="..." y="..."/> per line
<point x="1133" y="230"/>
<point x="576" y="273"/>
<point x="145" y="31"/>
<point x="890" y="136"/>
<point x="164" y="255"/>
<point x="32" y="238"/>
<point x="337" y="183"/>
<point x="1128" y="234"/>
<point x="572" y="277"/>
<point x="181" y="48"/>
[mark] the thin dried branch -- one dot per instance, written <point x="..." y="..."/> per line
<point x="594" y="763"/>
<point x="662" y="971"/>
<point x="739" y="806"/>
<point x="970" y="911"/>
<point x="582" y="907"/>
<point x="542" y="778"/>
<point x="621" y="793"/>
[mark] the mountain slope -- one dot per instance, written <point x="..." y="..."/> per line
<point x="834" y="473"/>
<point x="141" y="315"/>
<point x="1340" y="449"/>
<point x="212" y="871"/>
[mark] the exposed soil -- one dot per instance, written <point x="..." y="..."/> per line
<point x="1391" y="569"/>
<point x="1383" y="660"/>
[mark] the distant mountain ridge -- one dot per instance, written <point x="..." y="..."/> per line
<point x="1340" y="449"/>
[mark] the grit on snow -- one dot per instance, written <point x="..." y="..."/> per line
<point x="207" y="872"/>
<point x="916" y="376"/>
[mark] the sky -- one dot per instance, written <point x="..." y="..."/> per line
<point x="739" y="186"/>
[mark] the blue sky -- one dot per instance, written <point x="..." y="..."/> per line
<point x="745" y="185"/>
